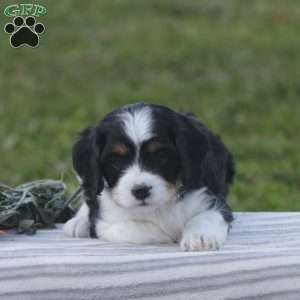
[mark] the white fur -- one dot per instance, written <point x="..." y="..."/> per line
<point x="79" y="225"/>
<point x="138" y="124"/>
<point x="160" y="190"/>
<point x="188" y="221"/>
<point x="206" y="231"/>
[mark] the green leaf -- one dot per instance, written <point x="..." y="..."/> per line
<point x="26" y="226"/>
<point x="35" y="204"/>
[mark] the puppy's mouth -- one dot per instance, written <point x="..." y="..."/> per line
<point x="143" y="203"/>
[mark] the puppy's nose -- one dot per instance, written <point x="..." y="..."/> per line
<point x="141" y="192"/>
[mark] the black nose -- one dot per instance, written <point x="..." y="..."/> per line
<point x="141" y="192"/>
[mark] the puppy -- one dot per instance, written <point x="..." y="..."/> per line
<point x="152" y="175"/>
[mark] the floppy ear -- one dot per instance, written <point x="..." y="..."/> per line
<point x="203" y="157"/>
<point x="85" y="157"/>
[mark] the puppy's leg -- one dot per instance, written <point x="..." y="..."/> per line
<point x="132" y="232"/>
<point x="78" y="226"/>
<point x="206" y="231"/>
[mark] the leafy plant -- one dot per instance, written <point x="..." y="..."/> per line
<point x="33" y="205"/>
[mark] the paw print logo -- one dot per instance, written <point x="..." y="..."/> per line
<point x="24" y="32"/>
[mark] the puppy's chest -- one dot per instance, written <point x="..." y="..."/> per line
<point x="163" y="224"/>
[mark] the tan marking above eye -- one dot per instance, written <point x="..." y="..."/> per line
<point x="120" y="149"/>
<point x="153" y="146"/>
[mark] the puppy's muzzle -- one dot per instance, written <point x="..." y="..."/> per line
<point x="141" y="192"/>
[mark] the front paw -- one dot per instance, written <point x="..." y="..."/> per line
<point x="200" y="242"/>
<point x="77" y="227"/>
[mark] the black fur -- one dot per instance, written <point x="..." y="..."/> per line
<point x="85" y="161"/>
<point x="189" y="153"/>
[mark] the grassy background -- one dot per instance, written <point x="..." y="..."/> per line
<point x="236" y="64"/>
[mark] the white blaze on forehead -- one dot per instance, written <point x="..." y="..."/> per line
<point x="138" y="124"/>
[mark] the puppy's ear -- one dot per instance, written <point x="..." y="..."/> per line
<point x="204" y="158"/>
<point x="85" y="155"/>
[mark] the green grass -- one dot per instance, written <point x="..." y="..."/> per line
<point x="236" y="64"/>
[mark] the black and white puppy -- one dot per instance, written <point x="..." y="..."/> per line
<point x="152" y="175"/>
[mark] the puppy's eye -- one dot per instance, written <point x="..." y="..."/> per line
<point x="116" y="161"/>
<point x="161" y="152"/>
<point x="116" y="158"/>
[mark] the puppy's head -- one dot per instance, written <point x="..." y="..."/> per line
<point x="142" y="153"/>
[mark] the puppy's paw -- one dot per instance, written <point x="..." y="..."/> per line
<point x="206" y="231"/>
<point x="77" y="227"/>
<point x="200" y="242"/>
